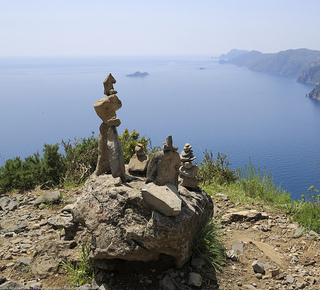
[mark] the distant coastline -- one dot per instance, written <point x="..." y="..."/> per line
<point x="302" y="63"/>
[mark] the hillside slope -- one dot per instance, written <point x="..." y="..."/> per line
<point x="302" y="63"/>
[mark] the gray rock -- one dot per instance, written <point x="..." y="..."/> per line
<point x="258" y="267"/>
<point x="164" y="165"/>
<point x="17" y="228"/>
<point x="36" y="285"/>
<point x="298" y="232"/>
<point x="12" y="205"/>
<point x="197" y="263"/>
<point x="7" y="204"/>
<point x="123" y="226"/>
<point x="195" y="279"/>
<point x="232" y="255"/>
<point x="48" y="197"/>
<point x="313" y="233"/>
<point x="247" y="215"/>
<point x="290" y="279"/>
<point x="115" y="154"/>
<point x="12" y="285"/>
<point x="4" y="201"/>
<point x="167" y="284"/>
<point x="165" y="198"/>
<point x="104" y="286"/>
<point x="49" y="255"/>
<point x="139" y="162"/>
<point x="238" y="246"/>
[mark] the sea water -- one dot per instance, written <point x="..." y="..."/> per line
<point x="223" y="108"/>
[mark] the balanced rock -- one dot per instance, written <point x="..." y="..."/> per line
<point x="164" y="165"/>
<point x="123" y="224"/>
<point x="139" y="161"/>
<point x="110" y="159"/>
<point x="187" y="170"/>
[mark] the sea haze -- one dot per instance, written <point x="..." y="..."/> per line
<point x="223" y="108"/>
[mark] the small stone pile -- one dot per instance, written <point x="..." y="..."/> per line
<point x="188" y="171"/>
<point x="139" y="161"/>
<point x="164" y="165"/>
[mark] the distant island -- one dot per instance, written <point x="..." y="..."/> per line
<point x="138" y="74"/>
<point x="302" y="63"/>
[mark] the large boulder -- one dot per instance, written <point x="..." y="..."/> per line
<point x="122" y="225"/>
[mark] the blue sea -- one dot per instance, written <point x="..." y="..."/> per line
<point x="223" y="108"/>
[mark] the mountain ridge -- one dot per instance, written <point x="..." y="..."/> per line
<point x="304" y="64"/>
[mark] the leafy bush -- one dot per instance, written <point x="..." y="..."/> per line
<point x="71" y="168"/>
<point x="53" y="163"/>
<point x="18" y="174"/>
<point x="129" y="141"/>
<point x="80" y="159"/>
<point x="209" y="247"/>
<point x="218" y="172"/>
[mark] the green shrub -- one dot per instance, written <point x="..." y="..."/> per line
<point x="209" y="247"/>
<point x="129" y="141"/>
<point x="83" y="271"/>
<point x="80" y="159"/>
<point x="53" y="163"/>
<point x="18" y="174"/>
<point x="308" y="216"/>
<point x="215" y="172"/>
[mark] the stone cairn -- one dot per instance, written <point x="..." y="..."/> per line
<point x="187" y="170"/>
<point x="164" y="166"/>
<point x="138" y="162"/>
<point x="110" y="157"/>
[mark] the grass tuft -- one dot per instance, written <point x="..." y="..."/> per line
<point x="209" y="247"/>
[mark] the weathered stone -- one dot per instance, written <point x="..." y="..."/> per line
<point x="108" y="85"/>
<point x="167" y="284"/>
<point x="164" y="199"/>
<point x="123" y="226"/>
<point x="258" y="267"/>
<point x="106" y="107"/>
<point x="195" y="279"/>
<point x="238" y="246"/>
<point x="247" y="215"/>
<point x="17" y="228"/>
<point x="290" y="279"/>
<point x="4" y="201"/>
<point x="197" y="263"/>
<point x="115" y="154"/>
<point x="46" y="259"/>
<point x="139" y="162"/>
<point x="164" y="166"/>
<point x="7" y="204"/>
<point x="232" y="254"/>
<point x="12" y="285"/>
<point x="298" y="232"/>
<point x="48" y="197"/>
<point x="274" y="272"/>
<point x="109" y="149"/>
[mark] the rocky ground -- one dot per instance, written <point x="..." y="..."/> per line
<point x="265" y="250"/>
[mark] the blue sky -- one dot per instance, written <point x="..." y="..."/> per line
<point x="163" y="27"/>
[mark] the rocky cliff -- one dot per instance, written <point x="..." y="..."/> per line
<point x="315" y="93"/>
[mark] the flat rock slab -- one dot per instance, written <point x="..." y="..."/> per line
<point x="164" y="199"/>
<point x="51" y="197"/>
<point x="246" y="215"/>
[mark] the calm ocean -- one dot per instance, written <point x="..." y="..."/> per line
<point x="223" y="108"/>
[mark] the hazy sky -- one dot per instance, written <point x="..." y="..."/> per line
<point x="146" y="27"/>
